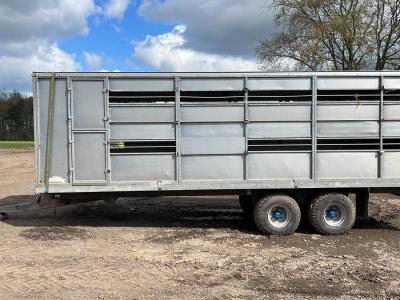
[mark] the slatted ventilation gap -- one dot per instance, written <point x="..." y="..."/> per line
<point x="286" y="145"/>
<point x="280" y="96"/>
<point x="392" y="95"/>
<point x="351" y="95"/>
<point x="141" y="97"/>
<point x="135" y="147"/>
<point x="357" y="144"/>
<point x="212" y="96"/>
<point x="279" y="145"/>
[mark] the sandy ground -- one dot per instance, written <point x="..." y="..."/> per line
<point x="184" y="248"/>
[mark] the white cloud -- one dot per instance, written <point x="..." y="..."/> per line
<point x="93" y="60"/>
<point x="167" y="52"/>
<point x="116" y="8"/>
<point x="20" y="19"/>
<point x="227" y="27"/>
<point x="15" y="70"/>
<point x="29" y="31"/>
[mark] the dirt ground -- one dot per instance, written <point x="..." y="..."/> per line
<point x="184" y="248"/>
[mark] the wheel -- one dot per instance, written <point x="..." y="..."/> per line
<point x="332" y="214"/>
<point x="277" y="215"/>
<point x="246" y="203"/>
<point x="3" y="216"/>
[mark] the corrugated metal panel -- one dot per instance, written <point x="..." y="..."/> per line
<point x="348" y="112"/>
<point x="391" y="83"/>
<point x="142" y="113"/>
<point x="201" y="84"/>
<point x="348" y="129"/>
<point x="88" y="103"/>
<point x="59" y="163"/>
<point x="279" y="130"/>
<point x="348" y="83"/>
<point x="212" y="130"/>
<point x="211" y="167"/>
<point x="142" y="84"/>
<point x="391" y="165"/>
<point x="213" y="145"/>
<point x="277" y="84"/>
<point x="212" y="113"/>
<point x="90" y="157"/>
<point x="391" y="112"/>
<point x="279" y="166"/>
<point x="391" y="128"/>
<point x="142" y="131"/>
<point x="333" y="165"/>
<point x="279" y="113"/>
<point x="143" y="167"/>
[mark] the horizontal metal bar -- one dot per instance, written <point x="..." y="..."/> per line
<point x="184" y="75"/>
<point x="224" y="185"/>
<point x="91" y="130"/>
<point x="279" y="121"/>
<point x="347" y="120"/>
<point x="211" y="97"/>
<point x="142" y="105"/>
<point x="143" y="153"/>
<point x="140" y="122"/>
<point x="280" y="152"/>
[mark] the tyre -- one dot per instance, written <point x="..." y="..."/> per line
<point x="246" y="203"/>
<point x="277" y="215"/>
<point x="3" y="216"/>
<point x="332" y="214"/>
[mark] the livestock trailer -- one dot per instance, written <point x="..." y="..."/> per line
<point x="284" y="142"/>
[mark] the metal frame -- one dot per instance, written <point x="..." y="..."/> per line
<point x="74" y="130"/>
<point x="179" y="183"/>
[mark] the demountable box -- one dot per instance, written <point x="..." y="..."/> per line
<point x="245" y="133"/>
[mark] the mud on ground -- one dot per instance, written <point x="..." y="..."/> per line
<point x="184" y="248"/>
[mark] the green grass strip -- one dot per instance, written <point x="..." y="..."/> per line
<point x="16" y="144"/>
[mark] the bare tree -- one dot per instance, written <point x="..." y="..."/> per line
<point x="334" y="35"/>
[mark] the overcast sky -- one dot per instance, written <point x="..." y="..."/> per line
<point x="128" y="35"/>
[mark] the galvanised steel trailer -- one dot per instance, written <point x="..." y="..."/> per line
<point x="284" y="142"/>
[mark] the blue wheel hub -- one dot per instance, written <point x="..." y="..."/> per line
<point x="278" y="215"/>
<point x="332" y="213"/>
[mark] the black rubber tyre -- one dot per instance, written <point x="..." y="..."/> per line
<point x="332" y="214"/>
<point x="265" y="215"/>
<point x="3" y="216"/>
<point x="246" y="203"/>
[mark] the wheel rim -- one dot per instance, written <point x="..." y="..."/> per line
<point x="334" y="215"/>
<point x="278" y="216"/>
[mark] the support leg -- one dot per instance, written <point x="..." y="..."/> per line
<point x="362" y="200"/>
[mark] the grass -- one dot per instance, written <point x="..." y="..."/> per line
<point x="16" y="144"/>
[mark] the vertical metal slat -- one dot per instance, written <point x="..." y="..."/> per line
<point x="69" y="127"/>
<point x="178" y="118"/>
<point x="107" y="127"/>
<point x="246" y="121"/>
<point x="36" y="132"/>
<point x="381" y="120"/>
<point x="314" y="128"/>
<point x="49" y="141"/>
